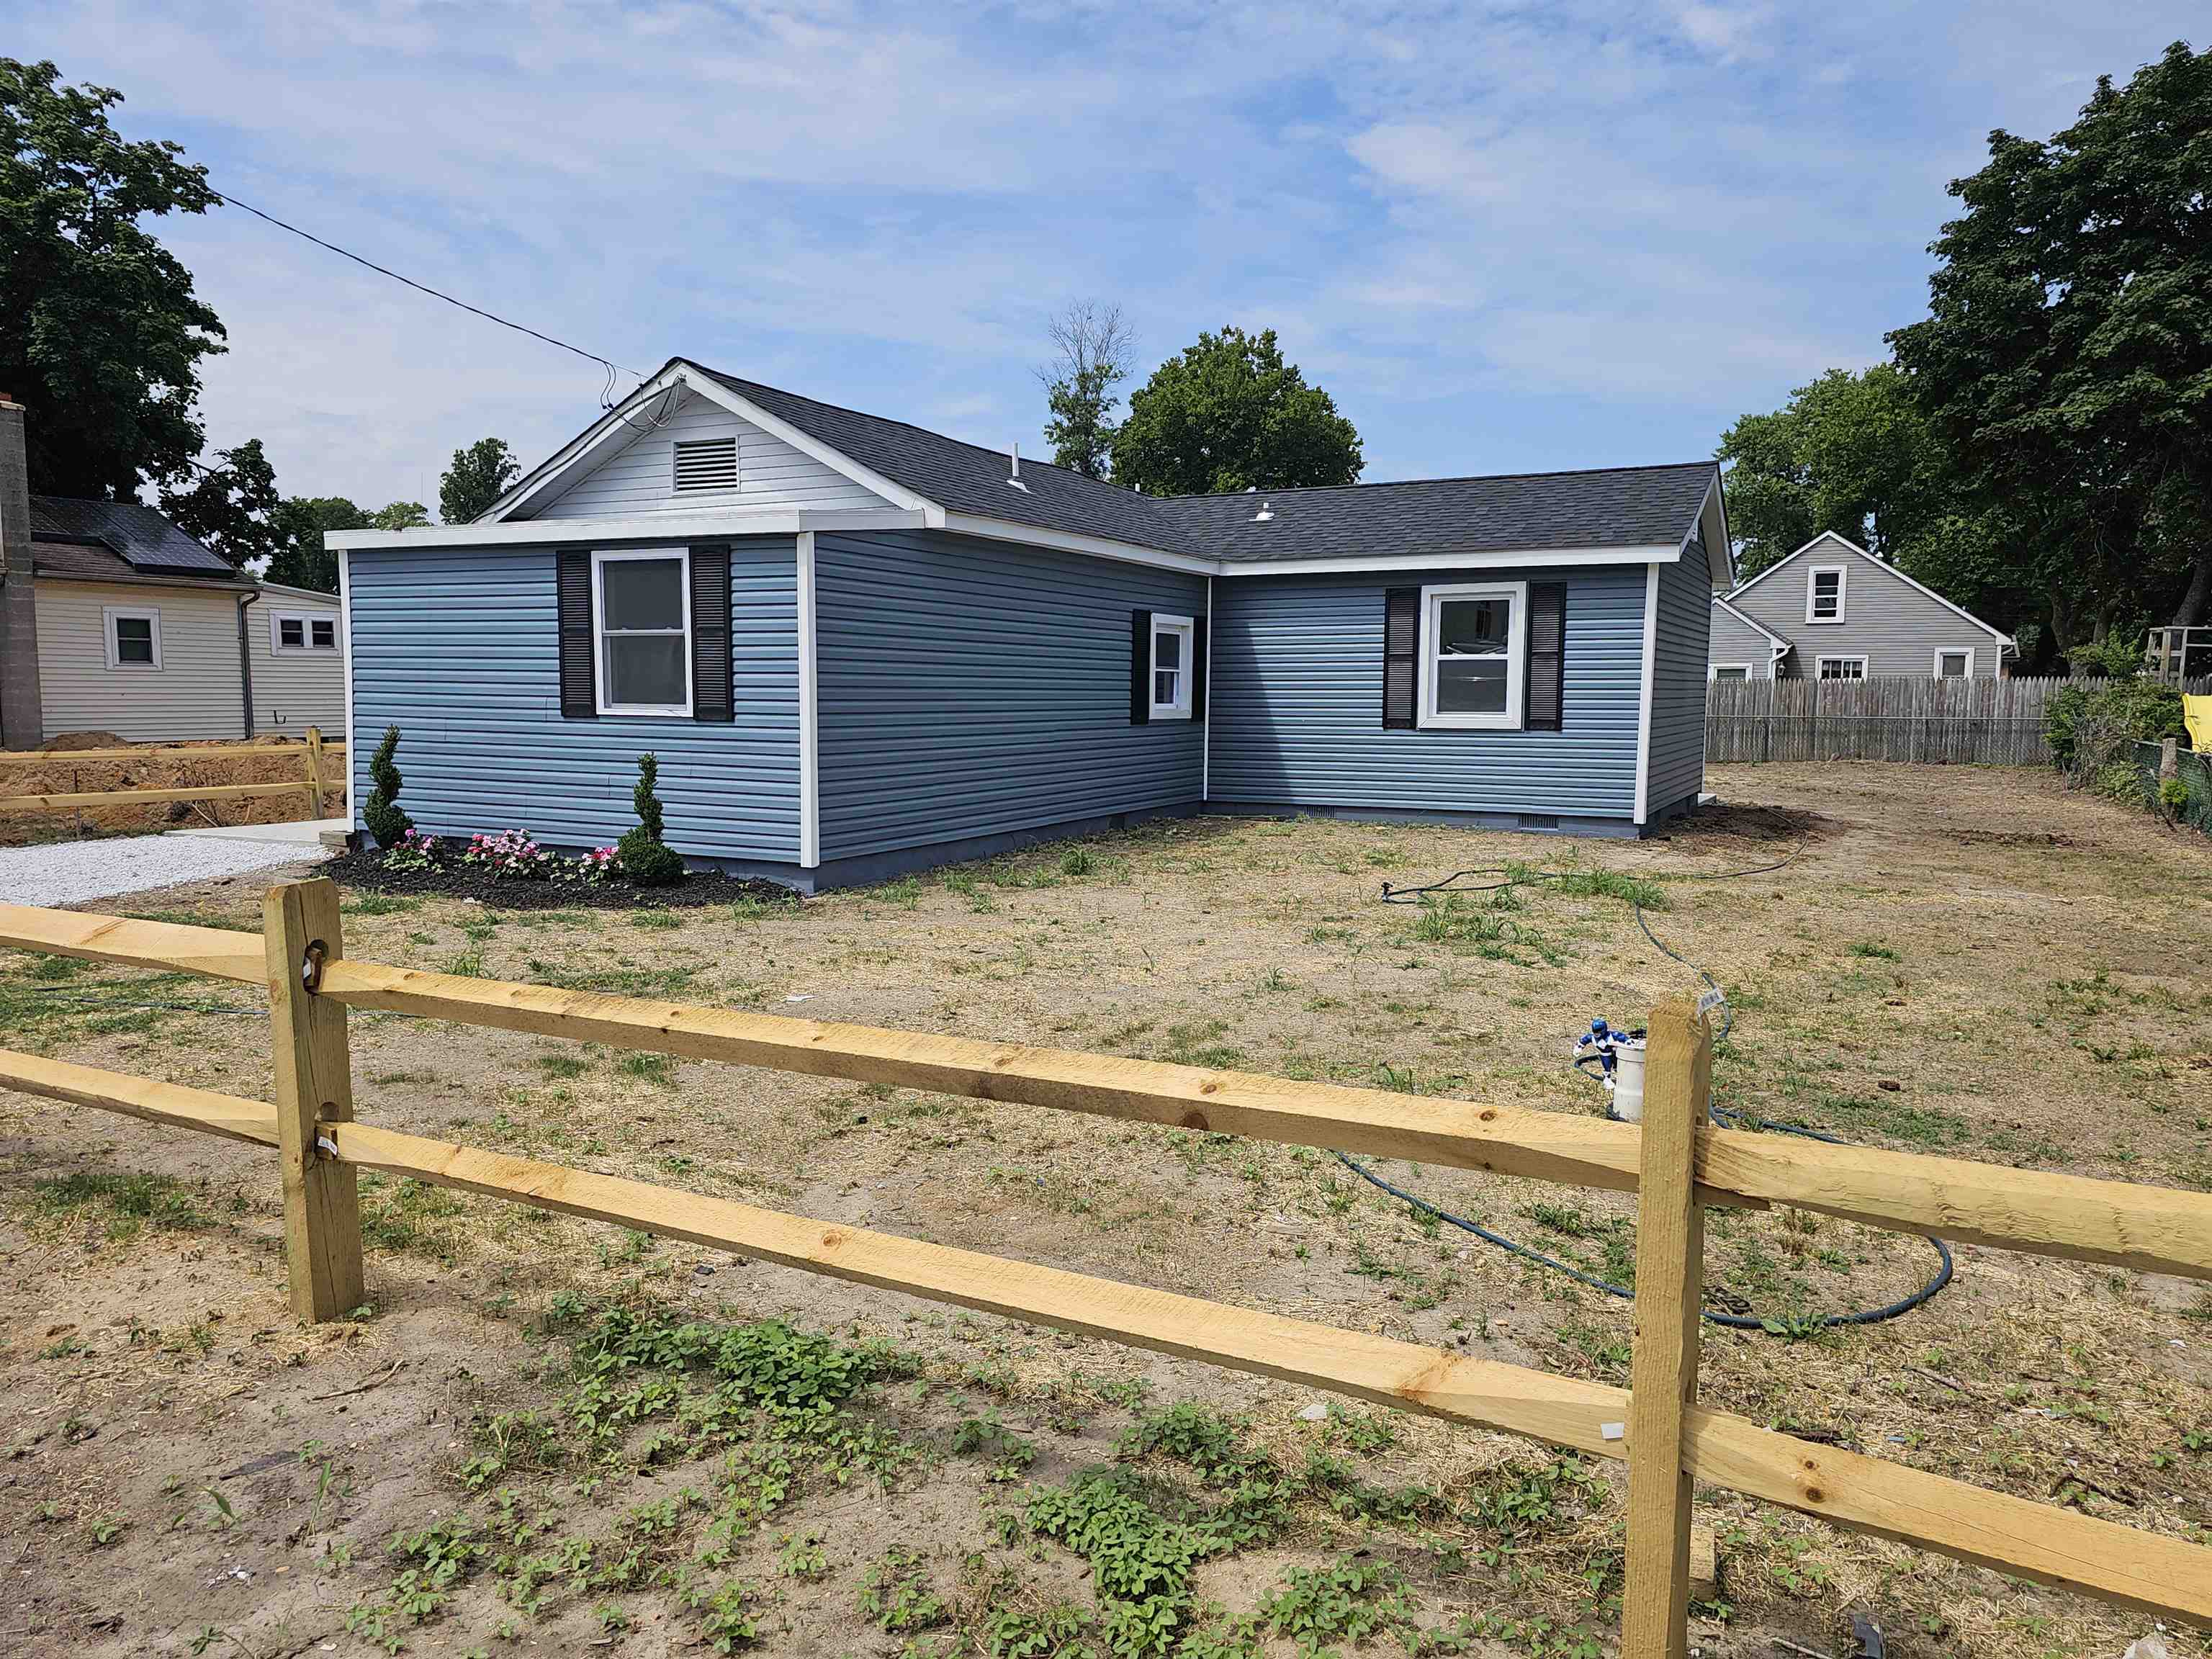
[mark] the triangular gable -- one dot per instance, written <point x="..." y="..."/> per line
<point x="1830" y="539"/>
<point x="602" y="471"/>
<point x="1781" y="646"/>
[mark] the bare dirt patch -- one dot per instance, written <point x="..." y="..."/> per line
<point x="2038" y="1002"/>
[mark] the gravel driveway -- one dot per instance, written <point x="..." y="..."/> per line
<point x="68" y="872"/>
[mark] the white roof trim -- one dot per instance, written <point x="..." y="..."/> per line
<point x="654" y="527"/>
<point x="1887" y="568"/>
<point x="555" y="474"/>
<point x="1698" y="524"/>
<point x="1005" y="529"/>
<point x="1781" y="646"/>
<point x="1532" y="558"/>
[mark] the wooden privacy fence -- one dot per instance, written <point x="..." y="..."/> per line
<point x="1894" y="718"/>
<point x="315" y="754"/>
<point x="1677" y="1160"/>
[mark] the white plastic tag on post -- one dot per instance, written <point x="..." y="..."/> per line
<point x="1711" y="999"/>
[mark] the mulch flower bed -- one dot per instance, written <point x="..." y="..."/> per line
<point x="365" y="871"/>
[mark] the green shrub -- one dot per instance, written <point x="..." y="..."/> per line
<point x="380" y="813"/>
<point x="646" y="859"/>
<point x="2090" y="724"/>
<point x="2172" y="797"/>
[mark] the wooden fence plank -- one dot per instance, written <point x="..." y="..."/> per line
<point x="141" y="1098"/>
<point x="139" y="797"/>
<point x="314" y="1089"/>
<point x="1670" y="1240"/>
<point x="217" y="953"/>
<point x="2152" y="1228"/>
<point x="158" y="751"/>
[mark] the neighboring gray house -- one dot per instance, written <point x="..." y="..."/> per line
<point x="859" y="646"/>
<point x="1838" y="612"/>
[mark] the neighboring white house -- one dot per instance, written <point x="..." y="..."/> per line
<point x="1833" y="611"/>
<point x="296" y="656"/>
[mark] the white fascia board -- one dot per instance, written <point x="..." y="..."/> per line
<point x="1506" y="559"/>
<point x="553" y="473"/>
<point x="1713" y="498"/>
<point x="660" y="526"/>
<point x="1005" y="530"/>
<point x="1720" y="503"/>
<point x="837" y="461"/>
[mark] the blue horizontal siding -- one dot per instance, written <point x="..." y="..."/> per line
<point x="972" y="687"/>
<point x="1681" y="647"/>
<point x="458" y="647"/>
<point x="1298" y="703"/>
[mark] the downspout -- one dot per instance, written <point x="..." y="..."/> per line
<point x="246" y="658"/>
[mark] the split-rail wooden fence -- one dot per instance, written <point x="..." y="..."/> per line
<point x="1677" y="1161"/>
<point x="315" y="754"/>
<point x="1892" y="718"/>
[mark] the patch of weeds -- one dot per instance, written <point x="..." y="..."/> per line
<point x="1194" y="1044"/>
<point x="1077" y="862"/>
<point x="798" y="1555"/>
<point x="1345" y="1601"/>
<point x="130" y="1201"/>
<point x="1519" y="1499"/>
<point x="1875" y="951"/>
<point x="465" y="964"/>
<point x="1057" y="1632"/>
<point x="658" y="1070"/>
<point x="1008" y="1453"/>
<point x="1366" y="1432"/>
<point x="195" y="919"/>
<point x="905" y="892"/>
<point x="561" y="1066"/>
<point x="1890" y="1115"/>
<point x="408" y="1216"/>
<point x="655" y="919"/>
<point x="897" y="1594"/>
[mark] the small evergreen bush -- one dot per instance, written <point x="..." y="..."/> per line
<point x="646" y="859"/>
<point x="381" y="813"/>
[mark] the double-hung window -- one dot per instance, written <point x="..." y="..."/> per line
<point x="1824" y="593"/>
<point x="1171" y="665"/>
<point x="643" y="618"/>
<point x="1472" y="639"/>
<point x="134" y="636"/>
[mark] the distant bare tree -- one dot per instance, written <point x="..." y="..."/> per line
<point x="1093" y="344"/>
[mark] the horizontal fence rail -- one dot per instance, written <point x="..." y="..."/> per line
<point x="301" y="960"/>
<point x="313" y="755"/>
<point x="1890" y="718"/>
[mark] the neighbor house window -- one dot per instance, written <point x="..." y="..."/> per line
<point x="1842" y="668"/>
<point x="643" y="624"/>
<point x="1470" y="655"/>
<point x="1824" y="593"/>
<point x="1954" y="664"/>
<point x="1731" y="670"/>
<point x="293" y="631"/>
<point x="134" y="636"/>
<point x="1171" y="666"/>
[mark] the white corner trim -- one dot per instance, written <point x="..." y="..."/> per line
<point x="810" y="748"/>
<point x="654" y="527"/>
<point x="1644" y="698"/>
<point x="345" y="647"/>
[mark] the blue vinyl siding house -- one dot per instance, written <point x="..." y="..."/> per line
<point x="859" y="647"/>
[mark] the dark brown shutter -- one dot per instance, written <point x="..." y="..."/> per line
<point x="1545" y="671"/>
<point x="580" y="699"/>
<point x="1200" y="669"/>
<point x="712" y="697"/>
<point x="1141" y="667"/>
<point x="1401" y="649"/>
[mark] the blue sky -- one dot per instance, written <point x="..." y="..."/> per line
<point x="1505" y="237"/>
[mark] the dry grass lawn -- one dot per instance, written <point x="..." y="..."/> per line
<point x="541" y="1434"/>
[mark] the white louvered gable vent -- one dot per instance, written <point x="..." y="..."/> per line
<point x="705" y="464"/>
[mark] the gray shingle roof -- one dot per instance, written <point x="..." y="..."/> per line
<point x="1614" y="507"/>
<point x="146" y="540"/>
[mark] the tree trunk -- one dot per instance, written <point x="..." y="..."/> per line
<point x="2198" y="597"/>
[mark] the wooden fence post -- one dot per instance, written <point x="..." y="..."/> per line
<point x="314" y="1080"/>
<point x="1669" y="1285"/>
<point x="315" y="769"/>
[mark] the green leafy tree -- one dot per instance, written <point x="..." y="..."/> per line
<point x="232" y="506"/>
<point x="478" y="476"/>
<point x="1229" y="414"/>
<point x="646" y="859"/>
<point x="2067" y="358"/>
<point x="399" y="515"/>
<point x="300" y="559"/>
<point x="101" y="331"/>
<point x="1093" y="345"/>
<point x="380" y="813"/>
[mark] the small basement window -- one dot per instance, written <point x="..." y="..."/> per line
<point x="705" y="464"/>
<point x="1824" y="594"/>
<point x="1171" y="665"/>
<point x="1841" y="668"/>
<point x="1954" y="664"/>
<point x="1731" y="670"/>
<point x="134" y="636"/>
<point x="643" y="620"/>
<point x="1472" y="654"/>
<point x="298" y="630"/>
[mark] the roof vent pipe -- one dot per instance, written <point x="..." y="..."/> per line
<point x="1266" y="512"/>
<point x="1014" y="466"/>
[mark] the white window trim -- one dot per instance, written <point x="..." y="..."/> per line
<point x="110" y="615"/>
<point x="1819" y="663"/>
<point x="1713" y="670"/>
<point x="306" y="619"/>
<point x="1965" y="651"/>
<point x="1813" y="574"/>
<point x="1510" y="719"/>
<point x="600" y="559"/>
<point x="1186" y="628"/>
